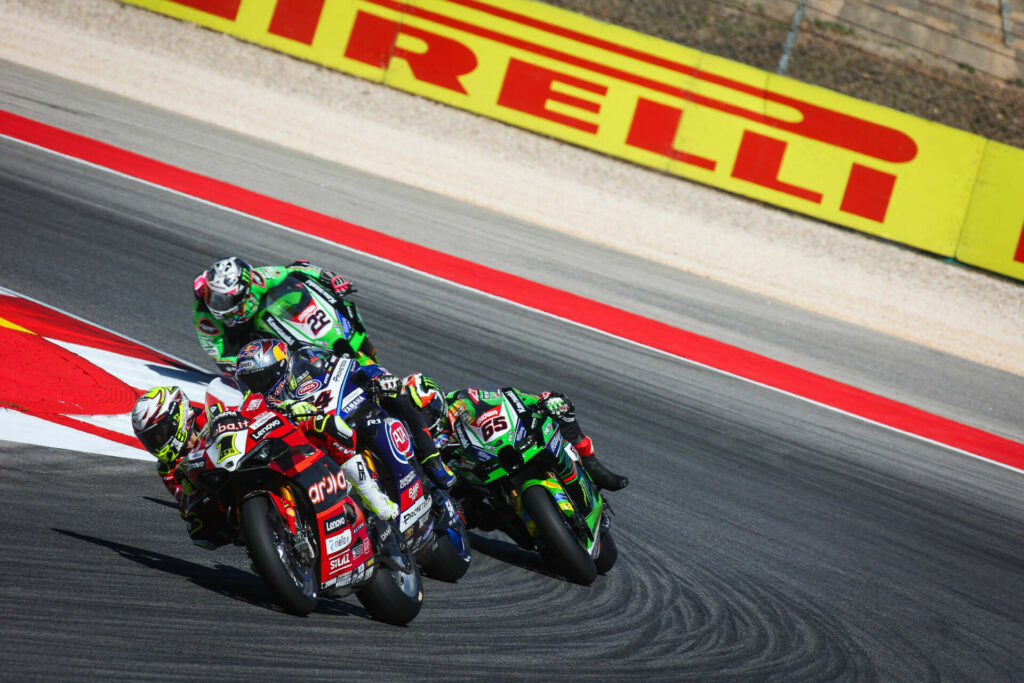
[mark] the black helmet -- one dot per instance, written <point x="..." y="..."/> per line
<point x="261" y="364"/>
<point x="307" y="363"/>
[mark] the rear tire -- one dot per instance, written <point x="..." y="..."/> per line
<point x="609" y="553"/>
<point x="275" y="560"/>
<point x="560" y="545"/>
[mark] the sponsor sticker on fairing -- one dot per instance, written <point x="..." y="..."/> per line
<point x="462" y="436"/>
<point x="277" y="328"/>
<point x="513" y="398"/>
<point x="412" y="493"/>
<point x="335" y="523"/>
<point x="410" y="516"/>
<point x="266" y="429"/>
<point x="352" y="400"/>
<point x="338" y="542"/>
<point x="307" y="387"/>
<point x="328" y="296"/>
<point x="399" y="439"/>
<point x="262" y="419"/>
<point x="228" y="421"/>
<point x="556" y="443"/>
<point x="340" y="562"/>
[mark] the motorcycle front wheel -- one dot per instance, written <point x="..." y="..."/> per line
<point x="609" y="553"/>
<point x="292" y="581"/>
<point x="560" y="544"/>
<point x="450" y="559"/>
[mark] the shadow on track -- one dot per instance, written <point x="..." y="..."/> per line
<point x="512" y="554"/>
<point x="222" y="579"/>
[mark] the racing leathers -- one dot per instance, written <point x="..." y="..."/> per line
<point x="468" y="404"/>
<point x="205" y="519"/>
<point x="382" y="386"/>
<point x="222" y="342"/>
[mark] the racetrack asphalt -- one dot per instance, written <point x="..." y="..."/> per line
<point x="761" y="537"/>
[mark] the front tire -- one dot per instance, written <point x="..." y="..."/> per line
<point x="609" y="553"/>
<point x="450" y="559"/>
<point x="560" y="545"/>
<point x="292" y="583"/>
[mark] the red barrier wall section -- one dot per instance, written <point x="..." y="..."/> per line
<point x="565" y="305"/>
<point x="655" y="103"/>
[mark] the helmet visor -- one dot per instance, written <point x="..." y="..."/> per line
<point x="156" y="437"/>
<point x="260" y="379"/>
<point x="223" y="305"/>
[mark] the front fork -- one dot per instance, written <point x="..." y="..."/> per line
<point x="284" y="503"/>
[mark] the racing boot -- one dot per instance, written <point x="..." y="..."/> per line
<point x="599" y="474"/>
<point x="374" y="499"/>
<point x="438" y="471"/>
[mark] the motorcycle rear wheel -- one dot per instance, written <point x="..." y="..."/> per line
<point x="560" y="545"/>
<point x="293" y="585"/>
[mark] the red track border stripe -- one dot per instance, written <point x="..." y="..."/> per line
<point x="566" y="305"/>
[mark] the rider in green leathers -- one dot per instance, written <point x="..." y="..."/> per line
<point x="230" y="293"/>
<point x="442" y="411"/>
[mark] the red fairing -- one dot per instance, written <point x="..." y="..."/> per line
<point x="344" y="547"/>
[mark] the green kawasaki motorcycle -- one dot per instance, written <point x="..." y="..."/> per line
<point x="304" y="312"/>
<point x="508" y="458"/>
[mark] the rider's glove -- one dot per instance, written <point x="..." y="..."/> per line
<point x="308" y="419"/>
<point x="557" y="406"/>
<point x="388" y="385"/>
<point x="337" y="283"/>
<point x="297" y="409"/>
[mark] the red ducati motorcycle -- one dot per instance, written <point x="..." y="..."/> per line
<point x="290" y="505"/>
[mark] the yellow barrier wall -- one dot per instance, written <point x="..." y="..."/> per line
<point x="993" y="234"/>
<point x="662" y="105"/>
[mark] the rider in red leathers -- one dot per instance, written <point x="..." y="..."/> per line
<point x="168" y="427"/>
